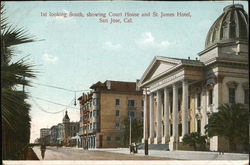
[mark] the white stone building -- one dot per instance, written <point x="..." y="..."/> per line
<point x="182" y="93"/>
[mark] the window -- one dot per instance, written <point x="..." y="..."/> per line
<point x="131" y="103"/>
<point x="199" y="126"/>
<point x="142" y="103"/>
<point x="232" y="95"/>
<point x="189" y="102"/>
<point x="179" y="105"/>
<point x="117" y="113"/>
<point x="117" y="101"/>
<point x="94" y="113"/>
<point x="171" y="129"/>
<point x="108" y="138"/>
<point x="198" y="99"/>
<point x="97" y="125"/>
<point x="131" y="114"/>
<point x="142" y="114"/>
<point x="179" y="129"/>
<point x="117" y="125"/>
<point x="96" y="101"/>
<point x="171" y="106"/>
<point x="90" y="126"/>
<point x="210" y="96"/>
<point x="117" y="138"/>
<point x="94" y="125"/>
<point x="246" y="96"/>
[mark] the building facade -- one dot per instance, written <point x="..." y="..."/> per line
<point x="53" y="134"/>
<point x="59" y="133"/>
<point x="103" y="110"/>
<point x="69" y="129"/>
<point x="44" y="132"/>
<point x="183" y="93"/>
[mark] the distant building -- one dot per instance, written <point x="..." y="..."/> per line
<point x="68" y="130"/>
<point x="103" y="111"/>
<point x="53" y="134"/>
<point x="59" y="133"/>
<point x="44" y="132"/>
<point x="74" y="128"/>
<point x="36" y="140"/>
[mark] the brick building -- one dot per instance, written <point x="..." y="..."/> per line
<point x="103" y="110"/>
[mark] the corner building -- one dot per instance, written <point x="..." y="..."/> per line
<point x="183" y="93"/>
<point x="103" y="110"/>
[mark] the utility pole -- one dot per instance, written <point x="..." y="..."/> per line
<point x="146" y="124"/>
<point x="130" y="130"/>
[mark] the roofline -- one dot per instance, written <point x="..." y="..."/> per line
<point x="219" y="44"/>
<point x="161" y="58"/>
<point x="182" y="62"/>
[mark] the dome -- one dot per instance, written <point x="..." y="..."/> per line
<point x="66" y="117"/>
<point x="232" y="25"/>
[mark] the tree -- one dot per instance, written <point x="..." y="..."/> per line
<point x="14" y="108"/>
<point x="230" y="122"/>
<point x="195" y="140"/>
<point x="136" y="131"/>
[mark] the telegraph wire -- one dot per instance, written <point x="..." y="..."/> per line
<point x="51" y="86"/>
<point x="54" y="102"/>
<point x="41" y="108"/>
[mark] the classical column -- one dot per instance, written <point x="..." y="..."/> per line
<point x="151" y="115"/>
<point x="175" y="110"/>
<point x="166" y="112"/>
<point x="185" y="111"/>
<point x="159" y="113"/>
<point x="166" y="116"/>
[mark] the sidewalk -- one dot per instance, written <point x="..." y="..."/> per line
<point x="181" y="155"/>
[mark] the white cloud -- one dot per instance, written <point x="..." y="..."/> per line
<point x="110" y="45"/>
<point x="49" y="58"/>
<point x="149" y="40"/>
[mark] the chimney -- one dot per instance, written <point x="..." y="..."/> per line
<point x="136" y="85"/>
<point x="108" y="84"/>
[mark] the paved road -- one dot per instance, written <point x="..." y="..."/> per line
<point x="183" y="155"/>
<point x="64" y="153"/>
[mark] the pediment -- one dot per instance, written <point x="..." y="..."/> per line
<point x="158" y="66"/>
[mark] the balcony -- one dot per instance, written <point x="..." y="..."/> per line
<point x="131" y="108"/>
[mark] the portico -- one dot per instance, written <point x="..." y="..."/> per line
<point x="168" y="99"/>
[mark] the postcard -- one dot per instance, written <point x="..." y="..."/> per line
<point x="125" y="82"/>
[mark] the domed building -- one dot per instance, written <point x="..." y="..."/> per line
<point x="181" y="94"/>
<point x="66" y="131"/>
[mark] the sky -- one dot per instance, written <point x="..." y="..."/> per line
<point x="76" y="52"/>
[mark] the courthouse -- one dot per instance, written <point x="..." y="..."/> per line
<point x="181" y="94"/>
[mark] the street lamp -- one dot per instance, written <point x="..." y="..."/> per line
<point x="130" y="129"/>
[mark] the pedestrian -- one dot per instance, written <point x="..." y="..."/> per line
<point x="43" y="149"/>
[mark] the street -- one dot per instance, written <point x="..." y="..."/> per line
<point x="52" y="153"/>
